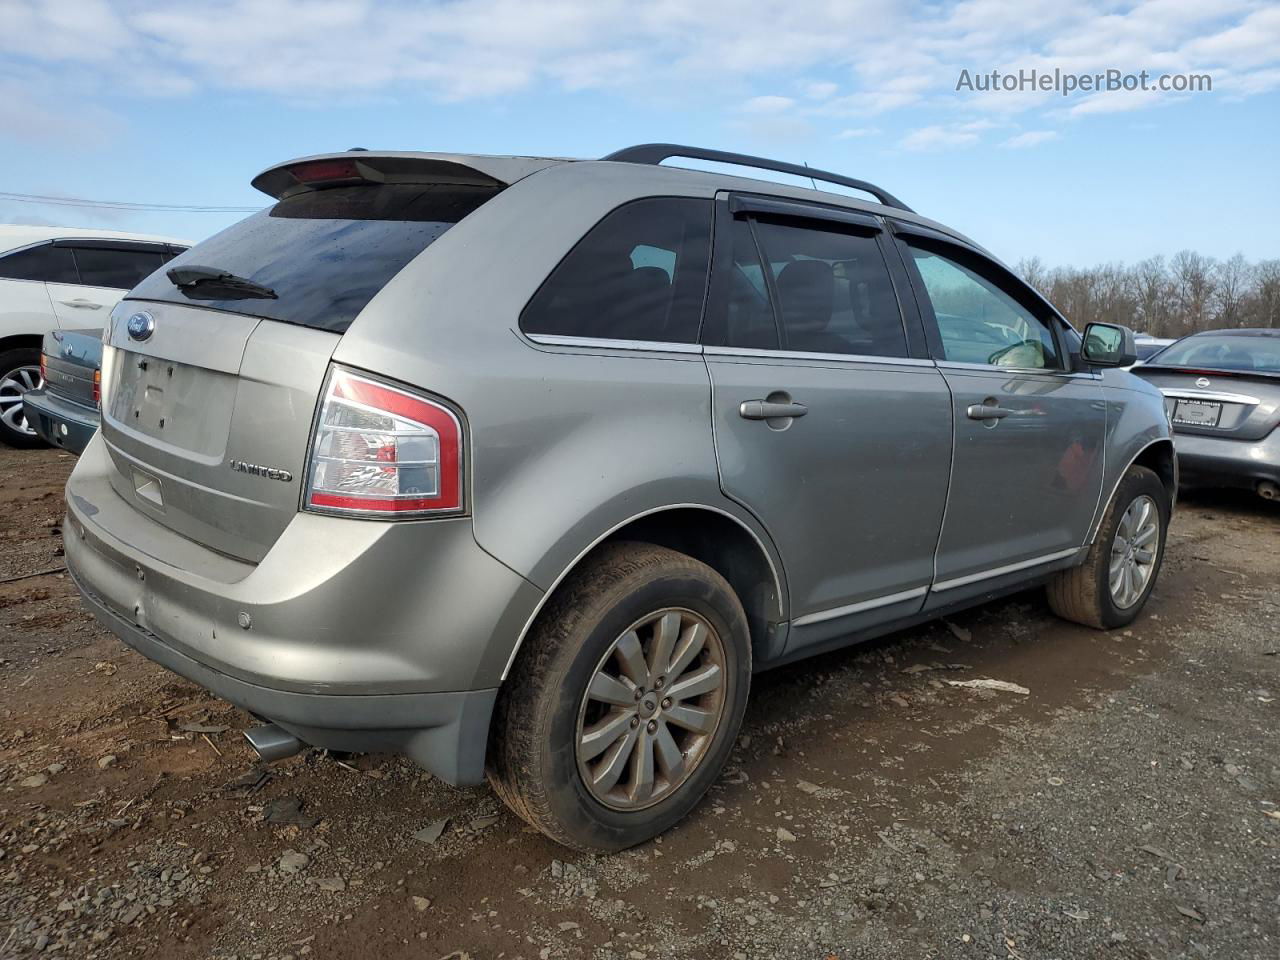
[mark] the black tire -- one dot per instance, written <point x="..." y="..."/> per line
<point x="1083" y="594"/>
<point x="10" y="361"/>
<point x="533" y="763"/>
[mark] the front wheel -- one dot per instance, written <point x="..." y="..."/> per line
<point x="1111" y="587"/>
<point x="19" y="372"/>
<point x="624" y="703"/>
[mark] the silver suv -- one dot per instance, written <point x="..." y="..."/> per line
<point x="522" y="467"/>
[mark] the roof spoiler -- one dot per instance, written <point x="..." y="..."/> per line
<point x="363" y="166"/>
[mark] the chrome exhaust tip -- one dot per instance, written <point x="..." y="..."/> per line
<point x="1268" y="490"/>
<point x="272" y="743"/>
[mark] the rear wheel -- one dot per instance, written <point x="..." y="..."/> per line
<point x="19" y="372"/>
<point x="624" y="703"/>
<point x="1111" y="587"/>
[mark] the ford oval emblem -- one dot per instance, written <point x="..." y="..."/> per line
<point x="1202" y="382"/>
<point x="141" y="326"/>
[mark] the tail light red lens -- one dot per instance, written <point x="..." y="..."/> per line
<point x="380" y="450"/>
<point x="44" y="368"/>
<point x="97" y="388"/>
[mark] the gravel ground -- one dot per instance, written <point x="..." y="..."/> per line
<point x="1128" y="806"/>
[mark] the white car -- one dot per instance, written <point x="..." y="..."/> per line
<point x="60" y="277"/>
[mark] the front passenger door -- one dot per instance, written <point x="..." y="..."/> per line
<point x="1027" y="469"/>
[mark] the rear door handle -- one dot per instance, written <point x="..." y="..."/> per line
<point x="82" y="304"/>
<point x="768" y="410"/>
<point x="982" y="411"/>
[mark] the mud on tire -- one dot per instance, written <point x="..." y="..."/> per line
<point x="1083" y="594"/>
<point x="536" y="764"/>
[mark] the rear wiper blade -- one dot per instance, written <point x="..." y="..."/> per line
<point x="211" y="283"/>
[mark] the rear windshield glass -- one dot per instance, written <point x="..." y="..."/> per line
<point x="325" y="253"/>
<point x="1223" y="352"/>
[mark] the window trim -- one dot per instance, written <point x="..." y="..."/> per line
<point x="155" y="249"/>
<point x="1003" y="280"/>
<point x="606" y="343"/>
<point x="35" y="246"/>
<point x="93" y="243"/>
<point x="732" y="206"/>
<point x="570" y="340"/>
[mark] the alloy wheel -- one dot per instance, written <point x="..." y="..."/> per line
<point x="651" y="709"/>
<point x="13" y="385"/>
<point x="1134" y="551"/>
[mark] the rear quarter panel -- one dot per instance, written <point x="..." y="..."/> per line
<point x="565" y="443"/>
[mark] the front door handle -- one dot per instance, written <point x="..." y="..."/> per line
<point x="82" y="304"/>
<point x="769" y="410"/>
<point x="983" y="411"/>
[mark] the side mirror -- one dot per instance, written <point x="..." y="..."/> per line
<point x="1109" y="345"/>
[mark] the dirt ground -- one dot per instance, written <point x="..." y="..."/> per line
<point x="1127" y="807"/>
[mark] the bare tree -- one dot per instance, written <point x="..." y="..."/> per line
<point x="1149" y="284"/>
<point x="1186" y="294"/>
<point x="1265" y="299"/>
<point x="1232" y="280"/>
<point x="1193" y="285"/>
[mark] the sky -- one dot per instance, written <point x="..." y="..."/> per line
<point x="164" y="103"/>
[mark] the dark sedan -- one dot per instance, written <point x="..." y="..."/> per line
<point x="1222" y="393"/>
<point x="65" y="410"/>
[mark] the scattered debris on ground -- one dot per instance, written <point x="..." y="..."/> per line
<point x="876" y="805"/>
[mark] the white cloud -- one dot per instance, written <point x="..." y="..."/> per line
<point x="854" y="133"/>
<point x="938" y="138"/>
<point x="1032" y="138"/>
<point x="820" y="91"/>
<point x="767" y="105"/>
<point x="875" y="56"/>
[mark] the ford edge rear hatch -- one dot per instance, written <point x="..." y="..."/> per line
<point x="215" y="363"/>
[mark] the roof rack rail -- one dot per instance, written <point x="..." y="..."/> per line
<point x="655" y="153"/>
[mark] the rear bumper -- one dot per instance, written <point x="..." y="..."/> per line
<point x="59" y="422"/>
<point x="443" y="732"/>
<point x="351" y="634"/>
<point x="1218" y="461"/>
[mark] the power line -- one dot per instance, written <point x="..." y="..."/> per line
<point x="124" y="204"/>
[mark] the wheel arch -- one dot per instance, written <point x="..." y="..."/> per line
<point x="714" y="536"/>
<point x="20" y="341"/>
<point x="1157" y="455"/>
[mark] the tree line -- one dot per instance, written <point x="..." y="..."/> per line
<point x="1187" y="293"/>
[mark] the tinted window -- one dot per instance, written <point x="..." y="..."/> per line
<point x="639" y="274"/>
<point x="47" y="263"/>
<point x="325" y="253"/>
<point x="749" y="322"/>
<point x="832" y="289"/>
<point x="105" y="267"/>
<point x="979" y="322"/>
<point x="1224" y="351"/>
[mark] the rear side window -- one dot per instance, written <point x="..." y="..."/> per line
<point x="45" y="263"/>
<point x="828" y="287"/>
<point x="639" y="274"/>
<point x="325" y="253"/>
<point x="107" y="267"/>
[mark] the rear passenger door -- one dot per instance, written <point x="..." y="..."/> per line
<point x="106" y="270"/>
<point x="1027" y="471"/>
<point x="831" y="423"/>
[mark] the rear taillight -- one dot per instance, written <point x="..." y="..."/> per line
<point x="380" y="450"/>
<point x="97" y="388"/>
<point x="44" y="368"/>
